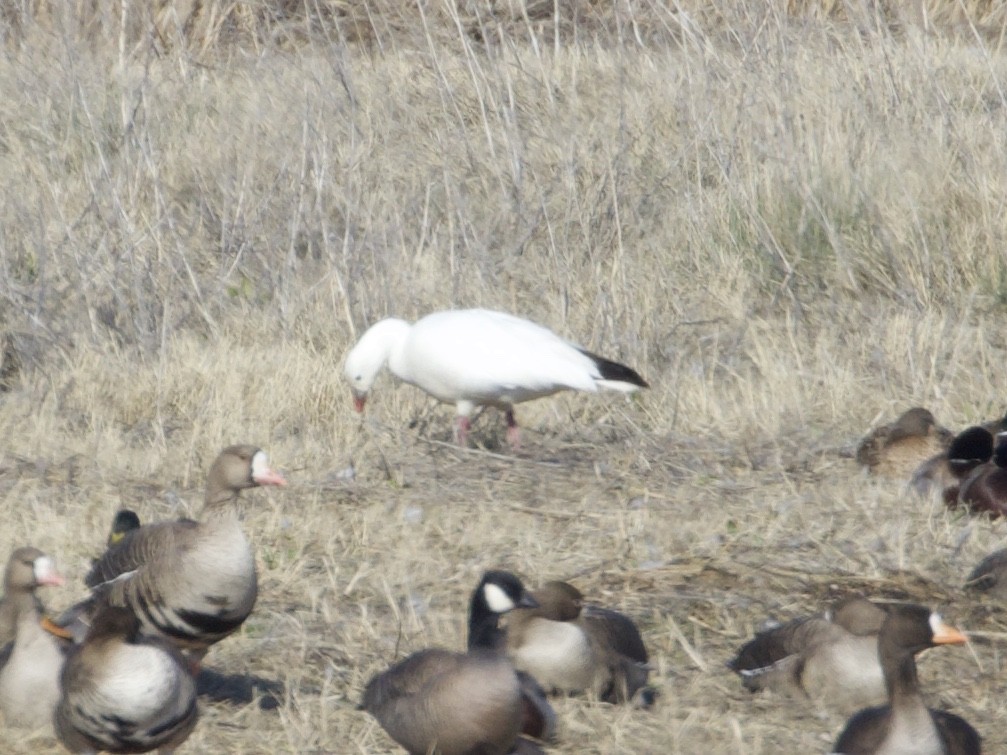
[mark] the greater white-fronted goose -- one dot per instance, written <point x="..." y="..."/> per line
<point x="897" y="449"/>
<point x="906" y="726"/>
<point x="438" y="701"/>
<point x="124" y="692"/>
<point x="29" y="675"/>
<point x="943" y="471"/>
<point x="191" y="582"/>
<point x="831" y="658"/>
<point x="477" y="357"/>
<point x="565" y="645"/>
<point x="984" y="490"/>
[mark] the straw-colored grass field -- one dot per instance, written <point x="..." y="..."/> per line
<point x="791" y="221"/>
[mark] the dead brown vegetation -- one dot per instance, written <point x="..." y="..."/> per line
<point x="792" y="223"/>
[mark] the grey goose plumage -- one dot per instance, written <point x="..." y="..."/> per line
<point x="193" y="582"/>
<point x="831" y="658"/>
<point x="123" y="692"/>
<point x="31" y="661"/>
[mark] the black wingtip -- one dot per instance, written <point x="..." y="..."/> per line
<point x="614" y="371"/>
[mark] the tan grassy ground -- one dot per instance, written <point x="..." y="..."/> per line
<point x="793" y="227"/>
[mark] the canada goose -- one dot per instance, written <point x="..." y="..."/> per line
<point x="984" y="490"/>
<point x="990" y="575"/>
<point x="897" y="449"/>
<point x="943" y="471"/>
<point x="906" y="725"/>
<point x="831" y="658"/>
<point x="564" y="644"/>
<point x="29" y="675"/>
<point x="191" y="582"/>
<point x="477" y="357"/>
<point x="474" y="703"/>
<point x="124" y="692"/>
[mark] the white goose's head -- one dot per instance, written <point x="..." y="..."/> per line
<point x="365" y="360"/>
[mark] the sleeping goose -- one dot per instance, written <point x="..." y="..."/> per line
<point x="906" y="726"/>
<point x="831" y="658"/>
<point x="124" y="692"/>
<point x="477" y="357"/>
<point x="984" y="490"/>
<point x="897" y="449"/>
<point x="191" y="582"/>
<point x="562" y="643"/>
<point x="945" y="470"/>
<point x="29" y="676"/>
<point x="462" y="703"/>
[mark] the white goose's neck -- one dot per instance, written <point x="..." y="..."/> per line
<point x="389" y="338"/>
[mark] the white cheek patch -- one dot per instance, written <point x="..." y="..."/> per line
<point x="497" y="599"/>
<point x="936" y="623"/>
<point x="260" y="464"/>
<point x="43" y="569"/>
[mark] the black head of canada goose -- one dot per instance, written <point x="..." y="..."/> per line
<point x="31" y="660"/>
<point x="124" y="692"/>
<point x="191" y="582"/>
<point x="970" y="448"/>
<point x="984" y="490"/>
<point x="566" y="645"/>
<point x="438" y="701"/>
<point x="478" y="357"/>
<point x="897" y="449"/>
<point x="905" y="724"/>
<point x="831" y="658"/>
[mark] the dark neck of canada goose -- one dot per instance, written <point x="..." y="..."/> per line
<point x="484" y="617"/>
<point x="484" y="624"/>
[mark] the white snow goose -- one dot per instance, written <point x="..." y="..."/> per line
<point x="191" y="582"/>
<point x="478" y="357"/>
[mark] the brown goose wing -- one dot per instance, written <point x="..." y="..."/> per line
<point x="956" y="733"/>
<point x="140" y="546"/>
<point x="617" y="630"/>
<point x="864" y="732"/>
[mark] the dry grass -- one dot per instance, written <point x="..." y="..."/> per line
<point x="792" y="225"/>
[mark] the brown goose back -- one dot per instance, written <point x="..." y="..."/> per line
<point x="192" y="582"/>
<point x="123" y="692"/>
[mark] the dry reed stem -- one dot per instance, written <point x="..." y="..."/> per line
<point x="793" y="227"/>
